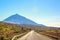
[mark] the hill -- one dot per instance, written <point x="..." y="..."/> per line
<point x="8" y="30"/>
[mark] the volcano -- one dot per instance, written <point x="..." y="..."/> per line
<point x="18" y="19"/>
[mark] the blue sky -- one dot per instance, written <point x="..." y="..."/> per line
<point x="45" y="12"/>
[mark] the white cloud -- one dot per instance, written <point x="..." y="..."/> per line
<point x="47" y="22"/>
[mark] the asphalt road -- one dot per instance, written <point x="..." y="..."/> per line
<point x="34" y="36"/>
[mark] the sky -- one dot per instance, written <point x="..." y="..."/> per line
<point x="45" y="12"/>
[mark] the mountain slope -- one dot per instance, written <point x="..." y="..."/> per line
<point x="18" y="19"/>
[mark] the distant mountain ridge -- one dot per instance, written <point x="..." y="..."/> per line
<point x="18" y="19"/>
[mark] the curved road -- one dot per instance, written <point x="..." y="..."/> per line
<point x="34" y="36"/>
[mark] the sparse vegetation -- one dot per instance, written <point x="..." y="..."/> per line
<point x="54" y="34"/>
<point x="7" y="30"/>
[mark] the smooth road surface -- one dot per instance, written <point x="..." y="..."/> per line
<point x="32" y="35"/>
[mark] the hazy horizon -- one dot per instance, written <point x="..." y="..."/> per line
<point x="45" y="12"/>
